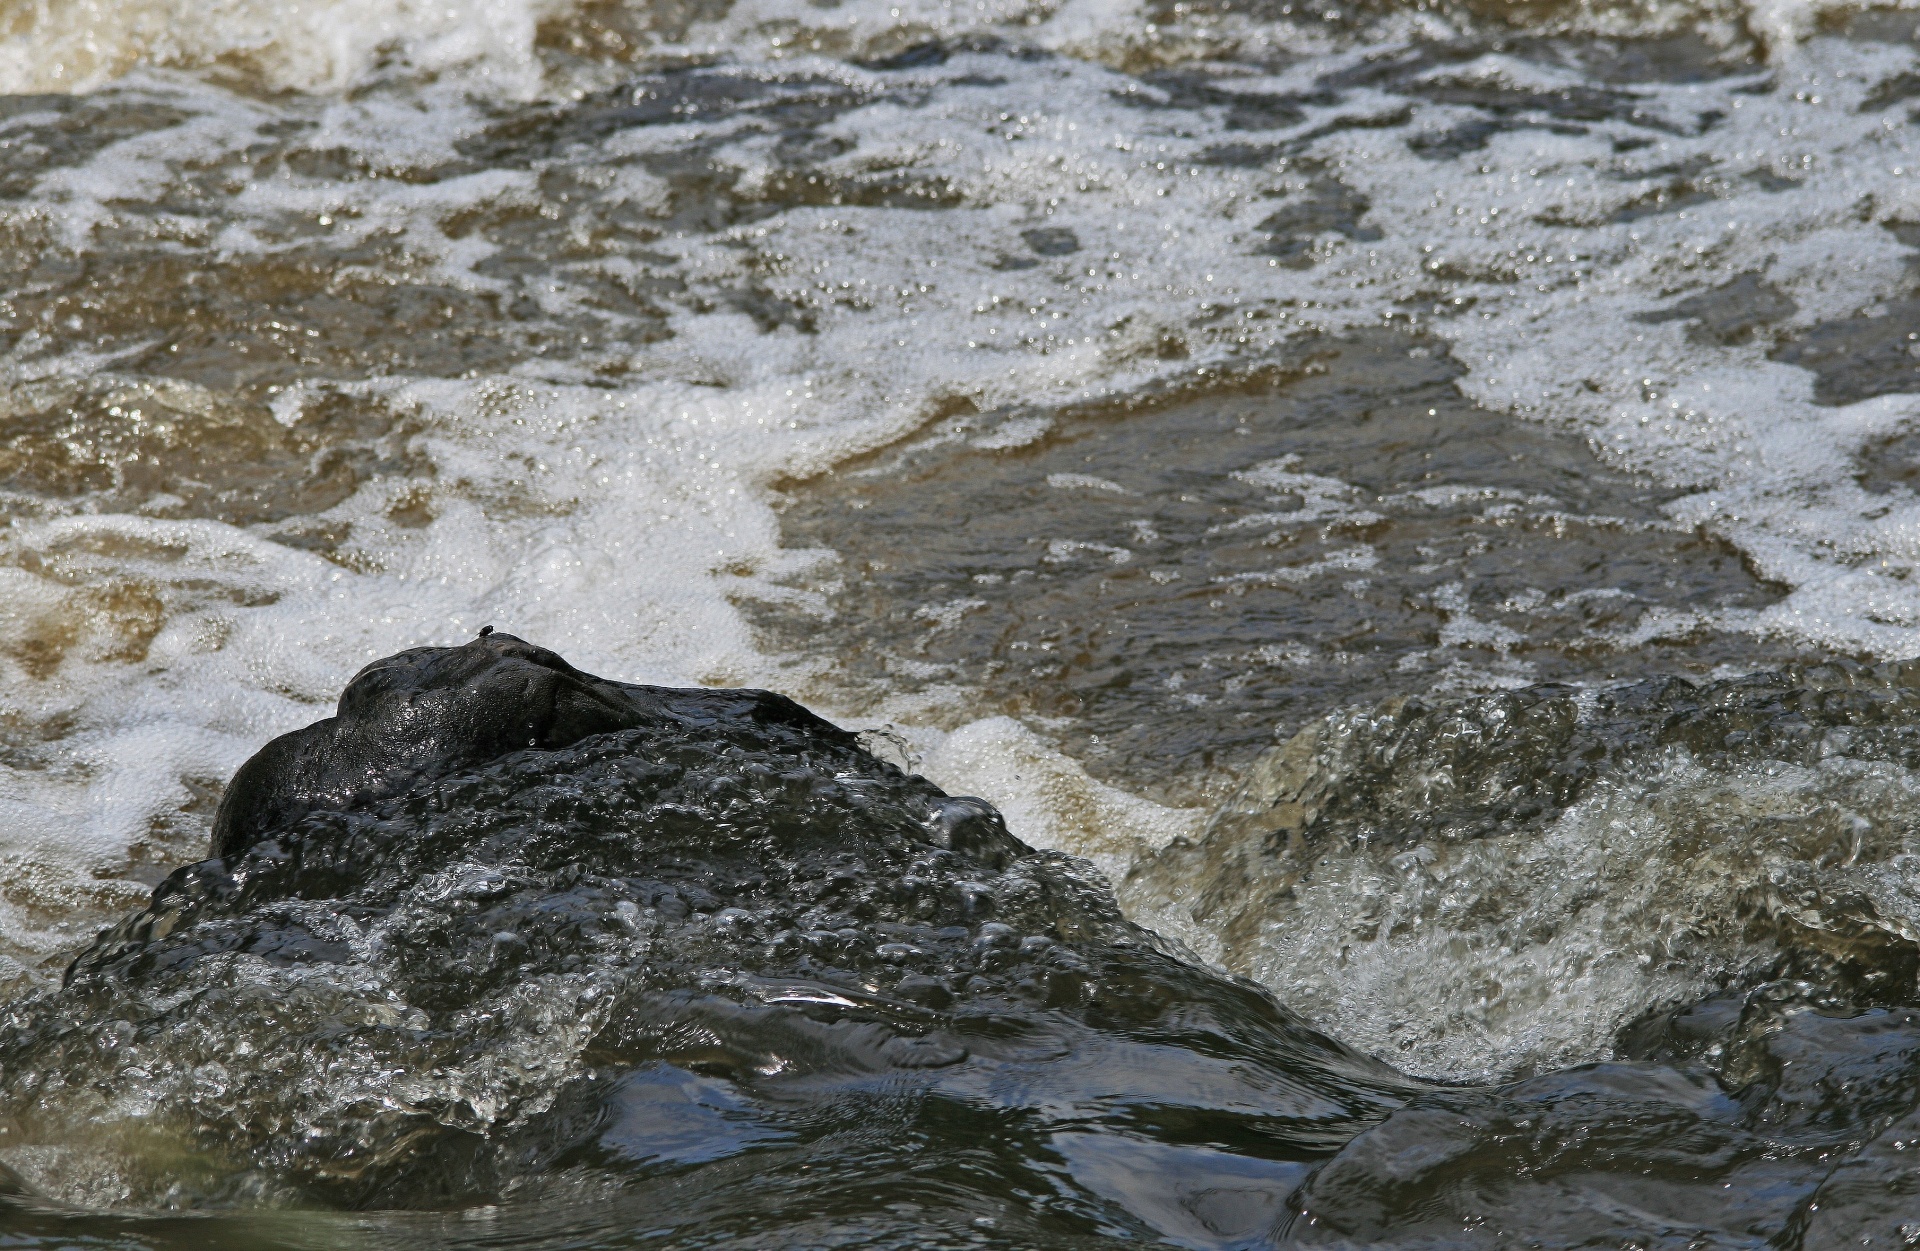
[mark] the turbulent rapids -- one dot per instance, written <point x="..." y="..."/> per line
<point x="1405" y="513"/>
<point x="504" y="932"/>
<point x="501" y="927"/>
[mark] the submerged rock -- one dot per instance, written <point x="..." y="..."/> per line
<point x="612" y="961"/>
<point x="1494" y="885"/>
<point x="430" y="710"/>
<point x="1712" y="887"/>
<point x="500" y="926"/>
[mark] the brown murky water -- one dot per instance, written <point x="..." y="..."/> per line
<point x="1171" y="583"/>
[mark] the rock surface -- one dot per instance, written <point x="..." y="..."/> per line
<point x="430" y="710"/>
<point x="500" y="926"/>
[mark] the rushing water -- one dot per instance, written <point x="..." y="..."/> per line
<point x="1421" y="496"/>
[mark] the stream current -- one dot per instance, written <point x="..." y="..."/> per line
<point x="1421" y="502"/>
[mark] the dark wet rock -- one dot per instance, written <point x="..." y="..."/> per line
<point x="1871" y="1200"/>
<point x="1808" y="881"/>
<point x="501" y="926"/>
<point x="431" y="710"/>
<point x="1621" y="1151"/>
<point x="1414" y="770"/>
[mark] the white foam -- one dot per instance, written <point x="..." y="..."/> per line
<point x="1047" y="798"/>
<point x="1480" y="958"/>
<point x="79" y="45"/>
<point x="330" y="45"/>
